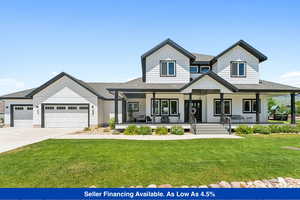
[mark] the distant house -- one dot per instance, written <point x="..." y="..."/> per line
<point x="2" y="111"/>
<point x="176" y="87"/>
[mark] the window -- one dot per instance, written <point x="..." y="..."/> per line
<point x="72" y="107"/>
<point x="194" y="69"/>
<point x="19" y="108"/>
<point x="204" y="69"/>
<point x="133" y="106"/>
<point x="246" y="105"/>
<point x="238" y="69"/>
<point x="155" y="104"/>
<point x="60" y="108"/>
<point x="227" y="107"/>
<point x="173" y="107"/>
<point x="29" y="108"/>
<point x="167" y="68"/>
<point x="49" y="108"/>
<point x="249" y="105"/>
<point x="165" y="107"/>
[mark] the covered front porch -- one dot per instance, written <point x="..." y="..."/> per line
<point x="158" y="108"/>
<point x="207" y="99"/>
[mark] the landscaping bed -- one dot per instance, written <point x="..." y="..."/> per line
<point x="116" y="163"/>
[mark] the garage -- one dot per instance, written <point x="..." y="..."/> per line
<point x="65" y="115"/>
<point x="22" y="116"/>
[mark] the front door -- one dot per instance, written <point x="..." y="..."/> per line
<point x="197" y="104"/>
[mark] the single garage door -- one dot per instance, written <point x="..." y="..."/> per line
<point x="22" y="116"/>
<point x="66" y="116"/>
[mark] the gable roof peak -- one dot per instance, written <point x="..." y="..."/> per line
<point x="260" y="56"/>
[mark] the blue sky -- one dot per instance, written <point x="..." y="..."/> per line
<point x="103" y="40"/>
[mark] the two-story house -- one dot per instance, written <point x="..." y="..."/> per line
<point x="176" y="87"/>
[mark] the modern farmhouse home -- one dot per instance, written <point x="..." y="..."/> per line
<point x="176" y="87"/>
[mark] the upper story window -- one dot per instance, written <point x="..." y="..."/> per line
<point x="194" y="69"/>
<point x="167" y="68"/>
<point x="204" y="69"/>
<point x="238" y="69"/>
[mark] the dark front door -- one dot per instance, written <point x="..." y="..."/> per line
<point x="197" y="104"/>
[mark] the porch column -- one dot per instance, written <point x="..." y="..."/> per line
<point x="293" y="109"/>
<point x="124" y="111"/>
<point x="153" y="107"/>
<point x="257" y="108"/>
<point x="190" y="107"/>
<point x="116" y="106"/>
<point x="222" y="107"/>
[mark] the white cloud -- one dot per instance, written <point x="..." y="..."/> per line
<point x="290" y="78"/>
<point x="9" y="85"/>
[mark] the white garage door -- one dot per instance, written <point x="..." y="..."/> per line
<point x="23" y="116"/>
<point x="66" y="116"/>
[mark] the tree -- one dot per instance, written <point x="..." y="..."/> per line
<point x="298" y="107"/>
<point x="271" y="102"/>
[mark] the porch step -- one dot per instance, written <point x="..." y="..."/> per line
<point x="210" y="129"/>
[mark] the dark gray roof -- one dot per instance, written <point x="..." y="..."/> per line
<point x="138" y="84"/>
<point x="102" y="89"/>
<point x="18" y="95"/>
<point x="266" y="86"/>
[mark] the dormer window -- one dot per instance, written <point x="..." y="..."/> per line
<point x="204" y="69"/>
<point x="167" y="68"/>
<point x="194" y="69"/>
<point x="238" y="69"/>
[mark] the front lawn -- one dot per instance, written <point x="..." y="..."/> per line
<point x="113" y="163"/>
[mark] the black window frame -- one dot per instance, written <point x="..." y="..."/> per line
<point x="238" y="70"/>
<point x="159" y="106"/>
<point x="214" y="107"/>
<point x="167" y="61"/>
<point x="252" y="111"/>
<point x="135" y="102"/>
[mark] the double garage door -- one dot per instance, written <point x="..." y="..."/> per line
<point x="66" y="116"/>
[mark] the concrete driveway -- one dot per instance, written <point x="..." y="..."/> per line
<point x="12" y="138"/>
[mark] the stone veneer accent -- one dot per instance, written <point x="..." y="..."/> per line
<point x="271" y="183"/>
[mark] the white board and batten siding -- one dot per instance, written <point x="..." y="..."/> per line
<point x="223" y="69"/>
<point x="65" y="91"/>
<point x="167" y="53"/>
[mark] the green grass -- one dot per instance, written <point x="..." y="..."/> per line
<point x="113" y="163"/>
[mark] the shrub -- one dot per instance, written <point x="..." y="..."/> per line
<point x="131" y="130"/>
<point x="161" y="130"/>
<point x="87" y="129"/>
<point x="177" y="130"/>
<point x="106" y="130"/>
<point x="288" y="129"/>
<point x="115" y="132"/>
<point x="243" y="129"/>
<point x="145" y="130"/>
<point x="275" y="128"/>
<point x="112" y="123"/>
<point x="261" y="129"/>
